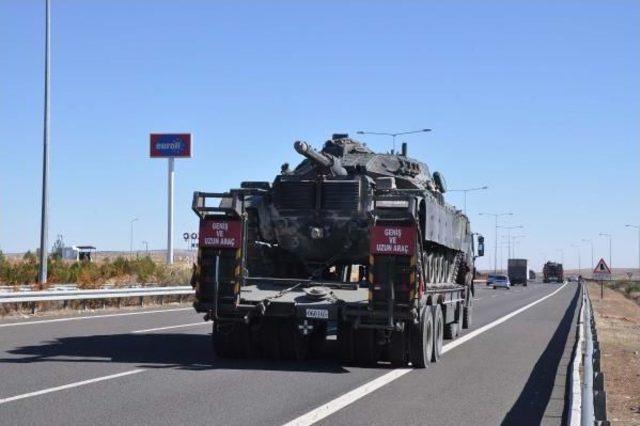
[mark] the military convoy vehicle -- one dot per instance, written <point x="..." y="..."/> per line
<point x="349" y="242"/>
<point x="517" y="271"/>
<point x="552" y="271"/>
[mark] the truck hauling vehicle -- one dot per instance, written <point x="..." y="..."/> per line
<point x="349" y="240"/>
<point x="517" y="271"/>
<point x="552" y="271"/>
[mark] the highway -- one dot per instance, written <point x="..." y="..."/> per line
<point x="157" y="367"/>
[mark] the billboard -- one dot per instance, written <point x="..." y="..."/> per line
<point x="170" y="145"/>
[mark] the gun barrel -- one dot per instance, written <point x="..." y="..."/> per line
<point x="303" y="148"/>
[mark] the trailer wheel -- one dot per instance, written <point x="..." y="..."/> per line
<point x="467" y="314"/>
<point x="221" y="341"/>
<point x="438" y="328"/>
<point x="365" y="347"/>
<point x="397" y="349"/>
<point x="421" y="339"/>
<point x="270" y="339"/>
<point x="345" y="342"/>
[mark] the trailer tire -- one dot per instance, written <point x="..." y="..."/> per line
<point x="467" y="314"/>
<point x="270" y="339"/>
<point x="221" y="341"/>
<point x="421" y="339"/>
<point x="438" y="328"/>
<point x="365" y="347"/>
<point x="345" y="342"/>
<point x="397" y="349"/>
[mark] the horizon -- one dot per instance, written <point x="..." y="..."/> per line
<point x="540" y="102"/>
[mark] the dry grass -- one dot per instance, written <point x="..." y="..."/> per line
<point x="618" y="325"/>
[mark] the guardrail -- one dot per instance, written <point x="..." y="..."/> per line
<point x="65" y="295"/>
<point x="588" y="399"/>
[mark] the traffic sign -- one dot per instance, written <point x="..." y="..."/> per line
<point x="602" y="271"/>
<point x="170" y="145"/>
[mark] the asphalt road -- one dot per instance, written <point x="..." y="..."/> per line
<point x="115" y="369"/>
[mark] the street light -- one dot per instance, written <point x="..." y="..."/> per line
<point x="509" y="228"/>
<point x="44" y="219"/>
<point x="146" y="247"/>
<point x="514" y="242"/>
<point x="602" y="234"/>
<point x="495" y="248"/>
<point x="480" y="188"/>
<point x="638" y="228"/>
<point x="590" y="241"/>
<point x="561" y="255"/>
<point x="577" y="247"/>
<point x="393" y="135"/>
<point x="131" y="222"/>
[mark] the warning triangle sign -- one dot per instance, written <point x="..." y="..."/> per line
<point x="602" y="268"/>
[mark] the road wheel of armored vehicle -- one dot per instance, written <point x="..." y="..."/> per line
<point x="365" y="347"/>
<point x="421" y="339"/>
<point x="345" y="342"/>
<point x="397" y="349"/>
<point x="467" y="313"/>
<point x="438" y="329"/>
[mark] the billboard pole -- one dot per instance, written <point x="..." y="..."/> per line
<point x="170" y="212"/>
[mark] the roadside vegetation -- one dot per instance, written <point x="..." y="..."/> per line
<point x="119" y="271"/>
<point x="631" y="289"/>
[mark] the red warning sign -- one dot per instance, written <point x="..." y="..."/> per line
<point x="220" y="233"/>
<point x="398" y="240"/>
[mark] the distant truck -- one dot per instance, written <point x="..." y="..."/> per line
<point x="517" y="271"/>
<point x="532" y="275"/>
<point x="552" y="271"/>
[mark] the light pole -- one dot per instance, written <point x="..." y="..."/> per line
<point x="146" y="247"/>
<point x="131" y="222"/>
<point x="480" y="188"/>
<point x="495" y="247"/>
<point x="638" y="228"/>
<point x="561" y="256"/>
<point x="590" y="241"/>
<point x="393" y="135"/>
<point x="44" y="219"/>
<point x="509" y="228"/>
<point x="577" y="247"/>
<point x="514" y="243"/>
<point x="602" y="234"/>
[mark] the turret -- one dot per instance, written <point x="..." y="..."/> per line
<point x="321" y="159"/>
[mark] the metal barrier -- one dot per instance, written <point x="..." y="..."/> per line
<point x="110" y="293"/>
<point x="588" y="399"/>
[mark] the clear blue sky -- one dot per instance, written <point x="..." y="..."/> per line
<point x="539" y="100"/>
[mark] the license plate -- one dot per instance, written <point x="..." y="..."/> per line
<point x="317" y="313"/>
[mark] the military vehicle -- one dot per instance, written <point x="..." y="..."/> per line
<point x="517" y="271"/>
<point x="349" y="242"/>
<point x="552" y="271"/>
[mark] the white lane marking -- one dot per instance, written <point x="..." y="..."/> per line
<point x="350" y="397"/>
<point x="68" y="386"/>
<point x="172" y="326"/>
<point x="13" y="324"/>
<point x="477" y="298"/>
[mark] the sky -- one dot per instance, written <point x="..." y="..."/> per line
<point x="538" y="100"/>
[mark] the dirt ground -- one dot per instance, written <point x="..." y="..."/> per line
<point x="618" y="325"/>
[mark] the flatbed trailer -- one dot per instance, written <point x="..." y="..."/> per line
<point x="398" y="308"/>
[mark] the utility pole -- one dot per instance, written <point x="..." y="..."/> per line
<point x="146" y="247"/>
<point x="590" y="241"/>
<point x="480" y="188"/>
<point x="44" y="219"/>
<point x="495" y="246"/>
<point x="509" y="228"/>
<point x="131" y="222"/>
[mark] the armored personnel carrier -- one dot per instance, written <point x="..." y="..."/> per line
<point x="349" y="241"/>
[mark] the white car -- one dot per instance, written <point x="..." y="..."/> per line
<point x="500" y="281"/>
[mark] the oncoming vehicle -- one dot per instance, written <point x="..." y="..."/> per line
<point x="501" y="281"/>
